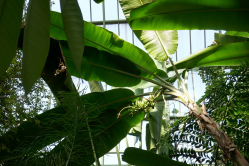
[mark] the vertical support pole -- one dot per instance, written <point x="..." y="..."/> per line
<point x="103" y="5"/>
<point x="118" y="18"/>
<point x="192" y="69"/>
<point x="90" y="11"/>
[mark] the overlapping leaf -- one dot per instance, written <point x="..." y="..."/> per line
<point x="9" y="30"/>
<point x="155" y="42"/>
<point x="192" y="14"/>
<point x="105" y="40"/>
<point x="36" y="42"/>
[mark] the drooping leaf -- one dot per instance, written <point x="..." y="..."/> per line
<point x="46" y="128"/>
<point x="155" y="123"/>
<point x="74" y="29"/>
<point x="105" y="40"/>
<point x="36" y="42"/>
<point x="192" y="14"/>
<point x="141" y="157"/>
<point x="10" y="25"/>
<point x="56" y="83"/>
<point x="220" y="55"/>
<point x="225" y="39"/>
<point x="148" y="136"/>
<point x="155" y="42"/>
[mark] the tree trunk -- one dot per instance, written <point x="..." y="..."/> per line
<point x="229" y="149"/>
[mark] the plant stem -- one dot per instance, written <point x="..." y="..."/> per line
<point x="180" y="80"/>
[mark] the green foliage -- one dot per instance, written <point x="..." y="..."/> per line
<point x="90" y="121"/>
<point x="226" y="101"/>
<point x="217" y="55"/>
<point x="15" y="106"/>
<point x="192" y="14"/>
<point x="100" y="110"/>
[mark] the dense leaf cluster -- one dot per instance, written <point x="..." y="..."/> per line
<point x="226" y="99"/>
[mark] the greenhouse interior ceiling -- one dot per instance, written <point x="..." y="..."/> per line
<point x="124" y="82"/>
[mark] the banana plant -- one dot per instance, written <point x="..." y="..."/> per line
<point x="108" y="58"/>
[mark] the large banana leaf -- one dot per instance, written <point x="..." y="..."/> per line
<point x="102" y="66"/>
<point x="9" y="31"/>
<point x="113" y="131"/>
<point x="141" y="157"/>
<point x="219" y="55"/>
<point x="192" y="14"/>
<point x="36" y="42"/>
<point x="74" y="29"/>
<point x="155" y="42"/>
<point x="47" y="127"/>
<point x="105" y="40"/>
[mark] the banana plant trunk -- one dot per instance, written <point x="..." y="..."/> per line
<point x="229" y="149"/>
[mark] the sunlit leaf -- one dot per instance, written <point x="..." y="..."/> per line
<point x="105" y="40"/>
<point x="220" y="55"/>
<point x="157" y="43"/>
<point x="192" y="14"/>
